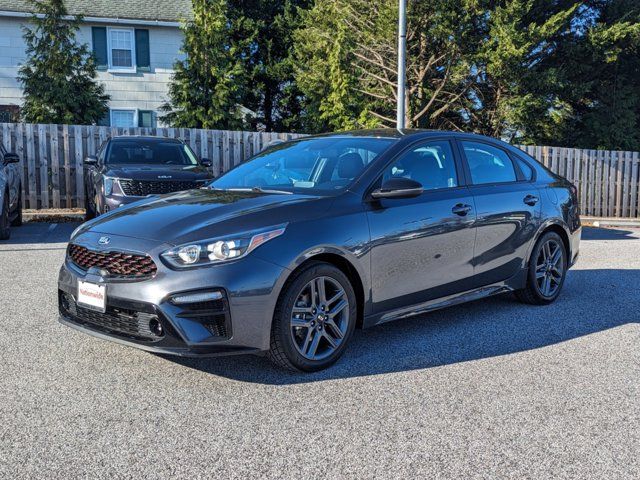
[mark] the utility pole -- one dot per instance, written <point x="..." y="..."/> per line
<point x="402" y="50"/>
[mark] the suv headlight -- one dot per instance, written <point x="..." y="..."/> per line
<point x="220" y="250"/>
<point x="108" y="185"/>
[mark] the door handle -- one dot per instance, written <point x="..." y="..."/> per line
<point x="461" y="209"/>
<point x="530" y="200"/>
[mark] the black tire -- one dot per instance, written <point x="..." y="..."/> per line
<point x="284" y="351"/>
<point x="535" y="292"/>
<point x="17" y="221"/>
<point x="5" y="228"/>
<point x="90" y="212"/>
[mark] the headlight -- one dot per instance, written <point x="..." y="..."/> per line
<point x="108" y="185"/>
<point x="220" y="250"/>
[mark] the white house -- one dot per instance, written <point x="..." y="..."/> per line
<point x="136" y="43"/>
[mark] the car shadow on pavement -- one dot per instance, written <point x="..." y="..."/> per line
<point x="593" y="301"/>
<point x="593" y="233"/>
<point x="39" y="233"/>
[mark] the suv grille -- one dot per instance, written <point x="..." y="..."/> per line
<point x="142" y="188"/>
<point x="123" y="321"/>
<point x="117" y="264"/>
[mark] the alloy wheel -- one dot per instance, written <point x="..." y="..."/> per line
<point x="320" y="318"/>
<point x="550" y="268"/>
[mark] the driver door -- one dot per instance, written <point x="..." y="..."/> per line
<point x="422" y="247"/>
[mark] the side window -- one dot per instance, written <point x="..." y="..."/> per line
<point x="431" y="164"/>
<point x="526" y="170"/>
<point x="488" y="164"/>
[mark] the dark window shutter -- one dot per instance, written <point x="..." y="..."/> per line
<point x="145" y="118"/>
<point x="99" y="37"/>
<point x="142" y="49"/>
<point x="105" y="121"/>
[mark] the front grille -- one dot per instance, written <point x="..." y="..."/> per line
<point x="142" y="188"/>
<point x="117" y="264"/>
<point x="213" y="315"/>
<point x="123" y="321"/>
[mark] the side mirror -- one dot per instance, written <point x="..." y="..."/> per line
<point x="205" y="162"/>
<point x="398" y="188"/>
<point x="11" y="158"/>
<point x="91" y="160"/>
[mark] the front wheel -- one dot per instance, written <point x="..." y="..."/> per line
<point x="314" y="319"/>
<point x="547" y="271"/>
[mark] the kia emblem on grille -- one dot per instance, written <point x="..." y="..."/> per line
<point x="104" y="240"/>
<point x="164" y="176"/>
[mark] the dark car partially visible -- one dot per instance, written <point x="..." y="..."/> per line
<point x="10" y="193"/>
<point x="129" y="168"/>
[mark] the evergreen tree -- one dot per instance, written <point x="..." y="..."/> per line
<point x="59" y="75"/>
<point x="206" y="88"/>
<point x="599" y="90"/>
<point x="263" y="29"/>
<point x="238" y="59"/>
<point x="511" y="91"/>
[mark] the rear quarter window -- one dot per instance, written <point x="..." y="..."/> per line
<point x="525" y="168"/>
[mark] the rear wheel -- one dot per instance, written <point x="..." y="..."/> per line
<point x="5" y="231"/>
<point x="547" y="271"/>
<point x="314" y="319"/>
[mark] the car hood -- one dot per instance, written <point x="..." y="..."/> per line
<point x="155" y="172"/>
<point x="203" y="214"/>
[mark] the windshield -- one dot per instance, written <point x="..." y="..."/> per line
<point x="150" y="152"/>
<point x="317" y="165"/>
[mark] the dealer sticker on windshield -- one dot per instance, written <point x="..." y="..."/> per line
<point x="92" y="296"/>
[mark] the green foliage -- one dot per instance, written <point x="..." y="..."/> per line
<point x="599" y="87"/>
<point x="59" y="74"/>
<point x="238" y="72"/>
<point x="531" y="71"/>
<point x="205" y="91"/>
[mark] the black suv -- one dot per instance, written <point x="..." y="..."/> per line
<point x="10" y="193"/>
<point x="129" y="168"/>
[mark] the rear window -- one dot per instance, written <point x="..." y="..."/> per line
<point x="488" y="164"/>
<point x="154" y="152"/>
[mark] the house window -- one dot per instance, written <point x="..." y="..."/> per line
<point x="123" y="118"/>
<point x="146" y="119"/>
<point x="122" y="49"/>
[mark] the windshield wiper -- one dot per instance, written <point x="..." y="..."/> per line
<point x="255" y="189"/>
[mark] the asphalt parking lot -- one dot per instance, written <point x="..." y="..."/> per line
<point x="492" y="389"/>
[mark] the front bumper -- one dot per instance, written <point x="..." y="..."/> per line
<point x="239" y="323"/>
<point x="113" y="202"/>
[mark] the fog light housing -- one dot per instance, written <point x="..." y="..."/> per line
<point x="196" y="297"/>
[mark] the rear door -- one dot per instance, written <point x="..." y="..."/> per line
<point x="422" y="247"/>
<point x="507" y="204"/>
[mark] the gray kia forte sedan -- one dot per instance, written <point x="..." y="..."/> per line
<point x="291" y="251"/>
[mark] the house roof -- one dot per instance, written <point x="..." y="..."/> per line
<point x="149" y="10"/>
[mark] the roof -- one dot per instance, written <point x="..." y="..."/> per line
<point x="149" y="10"/>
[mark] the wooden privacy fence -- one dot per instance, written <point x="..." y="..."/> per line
<point x="52" y="172"/>
<point x="608" y="181"/>
<point x="52" y="155"/>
